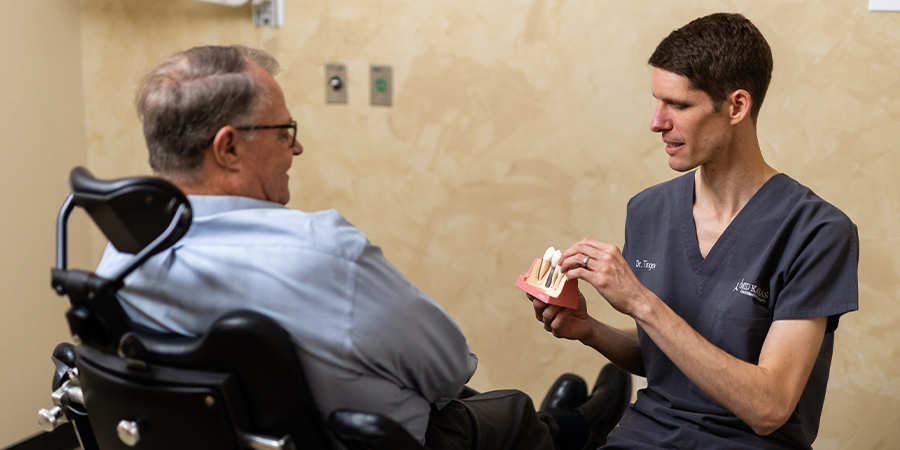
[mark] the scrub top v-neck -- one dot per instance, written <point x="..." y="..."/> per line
<point x="732" y="232"/>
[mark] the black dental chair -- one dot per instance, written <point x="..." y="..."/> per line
<point x="240" y="385"/>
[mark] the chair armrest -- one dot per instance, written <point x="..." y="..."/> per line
<point x="369" y="431"/>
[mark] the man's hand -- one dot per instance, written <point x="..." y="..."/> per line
<point x="562" y="322"/>
<point x="619" y="346"/>
<point x="603" y="266"/>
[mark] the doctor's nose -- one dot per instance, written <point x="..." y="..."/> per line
<point x="660" y="122"/>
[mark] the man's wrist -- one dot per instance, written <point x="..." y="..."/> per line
<point x="591" y="338"/>
<point x="643" y="310"/>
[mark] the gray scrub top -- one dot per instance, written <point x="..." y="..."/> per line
<point x="787" y="255"/>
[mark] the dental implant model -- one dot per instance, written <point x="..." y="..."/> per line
<point x="545" y="281"/>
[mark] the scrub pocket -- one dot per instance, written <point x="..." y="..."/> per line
<point x="741" y="337"/>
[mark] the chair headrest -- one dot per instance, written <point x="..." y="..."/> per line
<point x="131" y="212"/>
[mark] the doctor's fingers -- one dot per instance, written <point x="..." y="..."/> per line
<point x="539" y="308"/>
<point x="548" y="314"/>
<point x="587" y="251"/>
<point x="607" y="275"/>
<point x="584" y="247"/>
<point x="589" y="247"/>
<point x="583" y="265"/>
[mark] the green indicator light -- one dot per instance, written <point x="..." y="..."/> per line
<point x="380" y="85"/>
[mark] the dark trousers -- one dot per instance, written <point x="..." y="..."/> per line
<point x="496" y="420"/>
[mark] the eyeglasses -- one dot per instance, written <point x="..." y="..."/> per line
<point x="288" y="126"/>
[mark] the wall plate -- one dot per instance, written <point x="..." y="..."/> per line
<point x="268" y="13"/>
<point x="381" y="85"/>
<point x="335" y="83"/>
<point x="884" y="5"/>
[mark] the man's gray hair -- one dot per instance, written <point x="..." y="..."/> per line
<point x="188" y="97"/>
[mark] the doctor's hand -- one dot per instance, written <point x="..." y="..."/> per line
<point x="565" y="323"/>
<point x="603" y="266"/>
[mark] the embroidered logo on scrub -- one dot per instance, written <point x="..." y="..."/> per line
<point x="752" y="290"/>
<point x="647" y="265"/>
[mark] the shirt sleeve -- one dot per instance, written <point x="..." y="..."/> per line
<point x="405" y="336"/>
<point x="822" y="279"/>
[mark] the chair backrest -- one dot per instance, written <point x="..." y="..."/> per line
<point x="241" y="379"/>
<point x="140" y="215"/>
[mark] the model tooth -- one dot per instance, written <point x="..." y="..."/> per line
<point x="549" y="253"/>
<point x="545" y="263"/>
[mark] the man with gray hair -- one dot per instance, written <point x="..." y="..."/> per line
<point x="217" y="126"/>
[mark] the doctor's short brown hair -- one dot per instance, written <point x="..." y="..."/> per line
<point x="719" y="54"/>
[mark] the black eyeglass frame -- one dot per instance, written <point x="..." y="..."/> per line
<point x="290" y="126"/>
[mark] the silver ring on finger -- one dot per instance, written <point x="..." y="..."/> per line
<point x="584" y="262"/>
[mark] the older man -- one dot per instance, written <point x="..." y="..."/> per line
<point x="217" y="126"/>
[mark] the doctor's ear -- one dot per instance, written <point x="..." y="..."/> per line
<point x="738" y="104"/>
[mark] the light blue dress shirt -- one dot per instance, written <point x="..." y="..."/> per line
<point x="367" y="337"/>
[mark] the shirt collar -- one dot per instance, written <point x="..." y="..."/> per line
<point x="205" y="205"/>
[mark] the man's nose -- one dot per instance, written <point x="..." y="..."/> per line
<point x="297" y="149"/>
<point x="659" y="122"/>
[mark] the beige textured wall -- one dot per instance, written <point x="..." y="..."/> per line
<point x="41" y="139"/>
<point x="522" y="124"/>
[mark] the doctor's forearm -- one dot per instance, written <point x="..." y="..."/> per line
<point x="621" y="347"/>
<point x="758" y="395"/>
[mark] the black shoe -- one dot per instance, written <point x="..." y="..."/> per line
<point x="609" y="398"/>
<point x="568" y="428"/>
<point x="568" y="392"/>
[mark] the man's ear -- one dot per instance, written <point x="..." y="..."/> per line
<point x="739" y="104"/>
<point x="223" y="148"/>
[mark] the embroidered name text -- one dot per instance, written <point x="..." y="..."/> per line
<point x="752" y="290"/>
